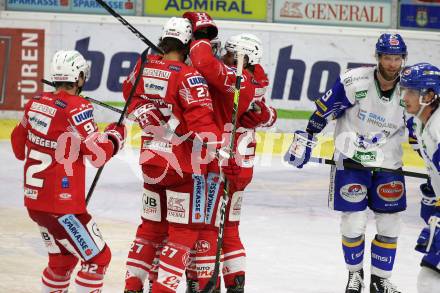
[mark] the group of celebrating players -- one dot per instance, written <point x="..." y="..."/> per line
<point x="197" y="143"/>
<point x="183" y="100"/>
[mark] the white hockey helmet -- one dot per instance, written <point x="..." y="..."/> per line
<point x="178" y="28"/>
<point x="248" y="44"/>
<point x="67" y="65"/>
<point x="216" y="46"/>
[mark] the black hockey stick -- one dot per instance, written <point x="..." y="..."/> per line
<point x="351" y="165"/>
<point x="92" y="100"/>
<point x="212" y="283"/>
<point x="102" y="104"/>
<point x="129" y="26"/>
<point x="121" y="118"/>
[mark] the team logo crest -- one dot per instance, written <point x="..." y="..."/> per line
<point x="394" y="41"/>
<point x="407" y="72"/>
<point x="422" y="17"/>
<point x="202" y="246"/>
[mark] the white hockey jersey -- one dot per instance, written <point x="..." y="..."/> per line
<point x="428" y="138"/>
<point x="372" y="128"/>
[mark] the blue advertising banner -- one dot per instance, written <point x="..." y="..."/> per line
<point x="39" y="5"/>
<point x="419" y="15"/>
<point x="124" y="7"/>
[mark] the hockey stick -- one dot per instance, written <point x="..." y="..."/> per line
<point x="129" y="26"/>
<point x="92" y="100"/>
<point x="212" y="283"/>
<point x="351" y="165"/>
<point x="121" y="118"/>
<point x="102" y="104"/>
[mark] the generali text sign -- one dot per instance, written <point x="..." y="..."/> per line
<point x="331" y="12"/>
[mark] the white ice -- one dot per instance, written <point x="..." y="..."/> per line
<point x="291" y="237"/>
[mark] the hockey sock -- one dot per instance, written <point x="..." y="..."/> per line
<point x="91" y="276"/>
<point x="234" y="257"/>
<point x="353" y="249"/>
<point x="174" y="258"/>
<point x="383" y="252"/>
<point x="56" y="277"/>
<point x="206" y="249"/>
<point x="143" y="256"/>
<point x="53" y="282"/>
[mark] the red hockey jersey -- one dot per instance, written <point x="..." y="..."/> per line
<point x="221" y="80"/>
<point x="181" y="94"/>
<point x="56" y="132"/>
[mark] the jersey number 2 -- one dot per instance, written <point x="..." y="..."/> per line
<point x="45" y="160"/>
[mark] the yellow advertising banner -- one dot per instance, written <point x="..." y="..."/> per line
<point x="218" y="9"/>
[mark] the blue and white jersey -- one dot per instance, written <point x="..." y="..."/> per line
<point x="370" y="127"/>
<point x="428" y="138"/>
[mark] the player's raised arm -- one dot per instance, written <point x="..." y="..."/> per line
<point x="331" y="105"/>
<point x="18" y="137"/>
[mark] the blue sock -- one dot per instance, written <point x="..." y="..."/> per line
<point x="353" y="249"/>
<point x="383" y="253"/>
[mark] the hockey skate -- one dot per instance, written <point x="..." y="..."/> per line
<point x="382" y="285"/>
<point x="355" y="282"/>
<point x="238" y="287"/>
<point x="192" y="286"/>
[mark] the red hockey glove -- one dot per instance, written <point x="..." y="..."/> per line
<point x="203" y="25"/>
<point x="228" y="164"/>
<point x="259" y="115"/>
<point x="230" y="169"/>
<point x="150" y="119"/>
<point x="116" y="133"/>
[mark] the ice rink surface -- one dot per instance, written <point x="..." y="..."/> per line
<point x="291" y="237"/>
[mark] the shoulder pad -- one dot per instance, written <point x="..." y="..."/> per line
<point x="357" y="76"/>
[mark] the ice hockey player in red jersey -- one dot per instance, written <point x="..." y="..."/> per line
<point x="55" y="135"/>
<point x="171" y="101"/>
<point x="252" y="113"/>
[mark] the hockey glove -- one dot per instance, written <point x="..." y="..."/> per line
<point x="429" y="238"/>
<point x="316" y="123"/>
<point x="259" y="115"/>
<point x="117" y="134"/>
<point x="427" y="204"/>
<point x="150" y="119"/>
<point x="301" y="149"/>
<point x="203" y="25"/>
<point x="228" y="164"/>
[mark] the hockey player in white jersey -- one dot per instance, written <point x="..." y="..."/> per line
<point x="420" y="91"/>
<point x="369" y="131"/>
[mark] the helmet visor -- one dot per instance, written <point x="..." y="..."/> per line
<point x="409" y="92"/>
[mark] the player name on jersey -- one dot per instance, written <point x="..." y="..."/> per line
<point x="35" y="139"/>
